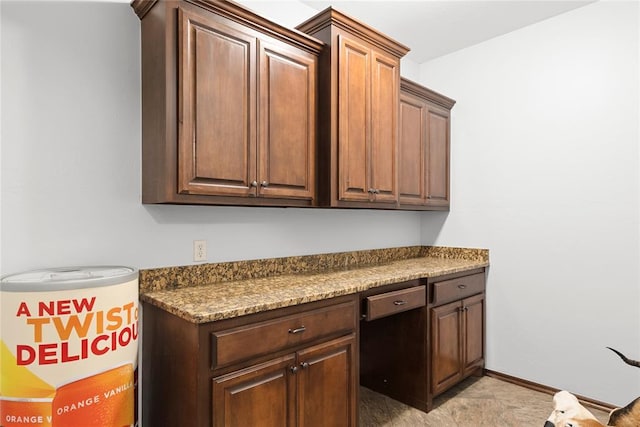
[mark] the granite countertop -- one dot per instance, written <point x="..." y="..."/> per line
<point x="228" y="299"/>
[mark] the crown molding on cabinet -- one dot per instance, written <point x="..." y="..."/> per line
<point x="423" y="92"/>
<point x="141" y="7"/>
<point x="330" y="16"/>
<point x="243" y="16"/>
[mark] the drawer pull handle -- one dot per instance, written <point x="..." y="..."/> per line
<point x="299" y="330"/>
<point x="462" y="286"/>
<point x="399" y="302"/>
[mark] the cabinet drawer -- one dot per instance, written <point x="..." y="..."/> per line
<point x="259" y="339"/>
<point x="395" y="302"/>
<point x="455" y="289"/>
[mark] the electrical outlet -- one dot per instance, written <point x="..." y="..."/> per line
<point x="199" y="250"/>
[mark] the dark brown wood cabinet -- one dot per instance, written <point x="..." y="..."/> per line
<point x="295" y="366"/>
<point x="359" y="77"/>
<point x="424" y="148"/>
<point x="258" y="395"/>
<point x="326" y="384"/>
<point x="301" y="365"/>
<point x="457" y="334"/>
<point x="435" y="345"/>
<point x="394" y="343"/>
<point x="313" y="386"/>
<point x="229" y="106"/>
<point x="237" y="110"/>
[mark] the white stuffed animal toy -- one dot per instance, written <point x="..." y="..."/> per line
<point x="575" y="415"/>
<point x="568" y="412"/>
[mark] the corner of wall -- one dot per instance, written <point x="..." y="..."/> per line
<point x="410" y="69"/>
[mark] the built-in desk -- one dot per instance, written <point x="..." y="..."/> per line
<point x="287" y="341"/>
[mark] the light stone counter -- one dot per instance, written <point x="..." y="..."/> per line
<point x="227" y="299"/>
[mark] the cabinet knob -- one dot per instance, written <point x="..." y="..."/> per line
<point x="264" y="184"/>
<point x="372" y="191"/>
<point x="376" y="191"/>
<point x="304" y="365"/>
<point x="293" y="369"/>
<point x="253" y="184"/>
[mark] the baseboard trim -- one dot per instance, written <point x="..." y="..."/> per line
<point x="596" y="404"/>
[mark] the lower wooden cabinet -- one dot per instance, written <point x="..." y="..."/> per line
<point x="457" y="341"/>
<point x="326" y="384"/>
<point x="302" y="365"/>
<point x="393" y="347"/>
<point x="258" y="395"/>
<point x="312" y="387"/>
<point x="434" y="345"/>
<point x="295" y="366"/>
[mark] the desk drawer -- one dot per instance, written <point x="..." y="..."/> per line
<point x="457" y="289"/>
<point x="390" y="303"/>
<point x="259" y="339"/>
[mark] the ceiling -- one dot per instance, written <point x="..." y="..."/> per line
<point x="436" y="28"/>
<point x="431" y="28"/>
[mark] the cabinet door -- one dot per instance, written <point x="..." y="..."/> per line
<point x="445" y="346"/>
<point x="385" y="85"/>
<point x="327" y="384"/>
<point x="216" y="111"/>
<point x="473" y="333"/>
<point x="354" y="112"/>
<point x="286" y="134"/>
<point x="262" y="395"/>
<point x="412" y="150"/>
<point x="438" y="157"/>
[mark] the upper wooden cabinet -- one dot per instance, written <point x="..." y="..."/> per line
<point x="358" y="117"/>
<point x="424" y="147"/>
<point x="228" y="106"/>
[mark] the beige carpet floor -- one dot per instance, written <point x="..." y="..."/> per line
<point x="477" y="402"/>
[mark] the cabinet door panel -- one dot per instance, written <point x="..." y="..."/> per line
<point x="412" y="151"/>
<point x="473" y="332"/>
<point x="217" y="104"/>
<point x="438" y="158"/>
<point x="287" y="122"/>
<point x="445" y="342"/>
<point x="384" y="127"/>
<point x="326" y="384"/>
<point x="354" y="119"/>
<point x="261" y="395"/>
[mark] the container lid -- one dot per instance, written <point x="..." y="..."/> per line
<point x="53" y="279"/>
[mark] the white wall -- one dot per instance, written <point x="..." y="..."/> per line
<point x="545" y="165"/>
<point x="71" y="159"/>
